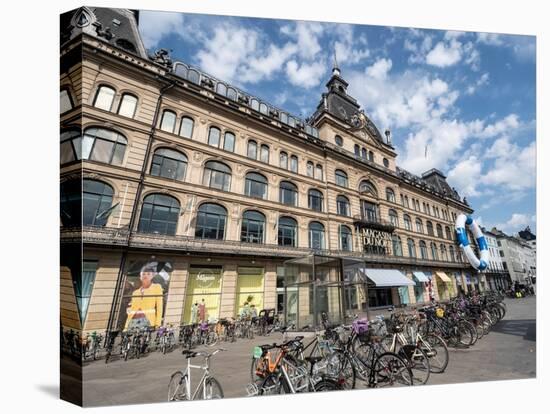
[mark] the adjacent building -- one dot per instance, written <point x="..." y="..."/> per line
<point x="184" y="197"/>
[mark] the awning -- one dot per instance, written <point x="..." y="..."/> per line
<point x="387" y="277"/>
<point x="443" y="276"/>
<point x="421" y="277"/>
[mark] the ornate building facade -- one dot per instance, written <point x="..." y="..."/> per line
<point x="171" y="175"/>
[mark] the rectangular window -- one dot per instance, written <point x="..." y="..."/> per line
<point x="250" y="291"/>
<point x="203" y="293"/>
<point x="83" y="283"/>
<point x="65" y="103"/>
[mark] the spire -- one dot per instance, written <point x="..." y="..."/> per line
<point x="335" y="68"/>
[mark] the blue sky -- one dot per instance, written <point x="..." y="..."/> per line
<point x="469" y="98"/>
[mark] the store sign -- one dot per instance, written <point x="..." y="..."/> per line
<point x="205" y="279"/>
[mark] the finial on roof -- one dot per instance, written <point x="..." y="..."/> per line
<point x="335" y="68"/>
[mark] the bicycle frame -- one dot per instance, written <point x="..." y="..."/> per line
<point x="187" y="375"/>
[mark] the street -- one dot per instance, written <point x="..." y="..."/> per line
<point x="508" y="352"/>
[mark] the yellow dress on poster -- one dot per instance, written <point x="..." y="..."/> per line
<point x="146" y="304"/>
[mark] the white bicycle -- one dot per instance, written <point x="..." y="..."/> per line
<point x="208" y="388"/>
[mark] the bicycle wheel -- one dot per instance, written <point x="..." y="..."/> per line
<point x="176" y="387"/>
<point x="211" y="339"/>
<point x="417" y="361"/>
<point x="327" y="384"/>
<point x="340" y="368"/>
<point x="212" y="389"/>
<point x="466" y="333"/>
<point x="436" y="348"/>
<point x="271" y="386"/>
<point x="389" y="369"/>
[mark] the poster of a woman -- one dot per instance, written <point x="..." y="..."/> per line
<point x="145" y="293"/>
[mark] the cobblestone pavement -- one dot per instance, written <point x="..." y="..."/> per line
<point x="508" y="352"/>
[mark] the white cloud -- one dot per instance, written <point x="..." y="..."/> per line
<point x="306" y="74"/>
<point x="481" y="81"/>
<point x="466" y="175"/>
<point x="505" y="125"/>
<point x="517" y="221"/>
<point x="306" y="35"/>
<point x="493" y="39"/>
<point x="155" y="25"/>
<point x="515" y="169"/>
<point x="348" y="46"/>
<point x="443" y="55"/>
<point x="379" y="70"/>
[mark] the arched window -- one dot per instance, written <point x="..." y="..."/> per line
<point x="411" y="247"/>
<point x="168" y="121"/>
<point x="159" y="214"/>
<point x="221" y="89"/>
<point x="316" y="235"/>
<point x="263" y="108"/>
<point x="217" y="175"/>
<point x="345" y="238"/>
<point x="264" y="154"/>
<point x="394" y="219"/>
<point x="341" y="178"/>
<point x="255" y="185"/>
<point x="419" y="226"/>
<point x="315" y="200"/>
<point x="309" y="169"/>
<point x="364" y="153"/>
<point x="357" y="150"/>
<point x="252" y="150"/>
<point x="448" y="233"/>
<point x="430" y="228"/>
<point x="288" y="193"/>
<point x="439" y="230"/>
<point x="452" y="253"/>
<point x="97" y="199"/>
<point x="103" y="145"/>
<point x="211" y="220"/>
<point x="229" y="141"/>
<point x="71" y="203"/>
<point x="407" y="222"/>
<point x="186" y="127"/>
<point x="65" y="101"/>
<point x="396" y="244"/>
<point x="433" y="248"/>
<point x="104" y="97"/>
<point x="342" y="205"/>
<point x="319" y="172"/>
<point x="283" y="160"/>
<point x="214" y="136"/>
<point x="338" y="140"/>
<point x="390" y="195"/>
<point x="255" y="104"/>
<point x="294" y="163"/>
<point x="169" y="163"/>
<point x="287" y="232"/>
<point x="127" y="106"/>
<point x="194" y="76"/>
<point x="406" y="201"/>
<point x="366" y="187"/>
<point x="253" y="227"/>
<point x="423" y="249"/>
<point x="71" y="146"/>
<point x="371" y="156"/>
<point x="443" y="250"/>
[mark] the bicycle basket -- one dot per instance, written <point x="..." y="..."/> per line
<point x="439" y="312"/>
<point x="360" y="326"/>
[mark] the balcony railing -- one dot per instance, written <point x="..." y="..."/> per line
<point x="120" y="237"/>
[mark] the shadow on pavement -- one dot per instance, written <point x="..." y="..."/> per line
<point x="520" y="327"/>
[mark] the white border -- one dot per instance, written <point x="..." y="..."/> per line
<point x="30" y="199"/>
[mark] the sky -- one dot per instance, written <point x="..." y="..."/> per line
<point x="462" y="102"/>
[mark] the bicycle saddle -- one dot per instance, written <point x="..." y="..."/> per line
<point x="313" y="359"/>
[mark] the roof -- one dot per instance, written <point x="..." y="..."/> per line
<point x="115" y="26"/>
